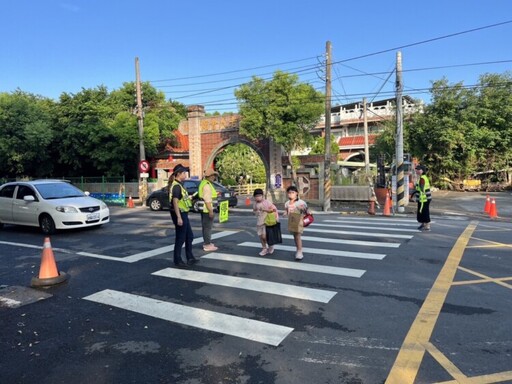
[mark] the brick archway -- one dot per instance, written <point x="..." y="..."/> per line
<point x="210" y="157"/>
<point x="207" y="135"/>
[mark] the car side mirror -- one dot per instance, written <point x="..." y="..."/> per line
<point x="29" y="198"/>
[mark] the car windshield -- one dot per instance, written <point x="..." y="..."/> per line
<point x="220" y="187"/>
<point x="58" y="191"/>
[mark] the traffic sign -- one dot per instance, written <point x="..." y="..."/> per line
<point x="144" y="166"/>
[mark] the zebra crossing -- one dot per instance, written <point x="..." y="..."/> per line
<point x="387" y="234"/>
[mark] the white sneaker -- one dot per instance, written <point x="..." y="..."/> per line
<point x="264" y="251"/>
<point x="271" y="249"/>
<point x="299" y="256"/>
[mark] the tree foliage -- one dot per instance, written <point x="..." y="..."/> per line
<point x="26" y="135"/>
<point x="318" y="146"/>
<point x="282" y="109"/>
<point x="465" y="129"/>
<point x="93" y="132"/>
<point x="240" y="160"/>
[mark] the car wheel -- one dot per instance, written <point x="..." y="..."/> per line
<point x="47" y="224"/>
<point x="155" y="205"/>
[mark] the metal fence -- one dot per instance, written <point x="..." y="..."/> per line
<point x="111" y="190"/>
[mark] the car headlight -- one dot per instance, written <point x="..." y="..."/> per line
<point x="65" y="209"/>
<point x="103" y="205"/>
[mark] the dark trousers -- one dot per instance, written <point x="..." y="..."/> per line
<point x="424" y="215"/>
<point x="207" y="224"/>
<point x="184" y="235"/>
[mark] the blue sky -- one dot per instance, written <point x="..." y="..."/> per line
<point x="198" y="52"/>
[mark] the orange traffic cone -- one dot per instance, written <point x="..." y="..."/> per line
<point x="487" y="206"/>
<point x="493" y="212"/>
<point x="248" y="201"/>
<point x="371" y="207"/>
<point x="130" y="202"/>
<point x="387" y="206"/>
<point x="48" y="273"/>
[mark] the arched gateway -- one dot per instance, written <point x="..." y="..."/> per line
<point x="201" y="138"/>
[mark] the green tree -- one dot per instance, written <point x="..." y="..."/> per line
<point x="240" y="160"/>
<point x="318" y="146"/>
<point x="281" y="109"/>
<point x="82" y="122"/>
<point x="26" y="135"/>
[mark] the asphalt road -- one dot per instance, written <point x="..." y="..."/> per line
<point x="373" y="300"/>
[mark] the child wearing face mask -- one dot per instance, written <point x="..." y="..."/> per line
<point x="261" y="208"/>
<point x="297" y="207"/>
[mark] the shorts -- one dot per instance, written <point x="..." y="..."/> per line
<point x="261" y="230"/>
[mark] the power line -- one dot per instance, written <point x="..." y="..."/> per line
<point x="425" y="41"/>
<point x="235" y="71"/>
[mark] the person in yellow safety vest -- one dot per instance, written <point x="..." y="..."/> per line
<point x="424" y="197"/>
<point x="207" y="193"/>
<point x="180" y="206"/>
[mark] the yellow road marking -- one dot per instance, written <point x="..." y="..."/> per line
<point x="484" y="279"/>
<point x="494" y="244"/>
<point x="499" y="377"/>
<point x="455" y="372"/>
<point x="411" y="353"/>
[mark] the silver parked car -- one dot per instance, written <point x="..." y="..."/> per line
<point x="50" y="205"/>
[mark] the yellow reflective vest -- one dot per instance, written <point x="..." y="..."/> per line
<point x="200" y="192"/>
<point x="185" y="203"/>
<point x="424" y="193"/>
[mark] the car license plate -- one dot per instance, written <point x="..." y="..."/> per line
<point x="227" y="194"/>
<point x="93" y="216"/>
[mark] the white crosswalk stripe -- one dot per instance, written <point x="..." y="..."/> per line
<point x="287" y="290"/>
<point x="255" y="330"/>
<point x="372" y="222"/>
<point x="286" y="264"/>
<point x="380" y="227"/>
<point x="319" y="251"/>
<point x="347" y="242"/>
<point x="356" y="233"/>
<point x="322" y="232"/>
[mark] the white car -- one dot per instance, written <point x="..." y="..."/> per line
<point x="50" y="205"/>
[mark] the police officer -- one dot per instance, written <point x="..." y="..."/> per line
<point x="180" y="206"/>
<point x="423" y="196"/>
<point x="207" y="193"/>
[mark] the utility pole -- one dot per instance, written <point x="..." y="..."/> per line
<point x="400" y="188"/>
<point x="143" y="179"/>
<point x="366" y="146"/>
<point x="327" y="132"/>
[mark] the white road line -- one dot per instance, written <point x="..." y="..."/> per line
<point x="355" y="233"/>
<point x="349" y="272"/>
<point x="348" y="242"/>
<point x="287" y="290"/>
<point x="127" y="259"/>
<point x="170" y="248"/>
<point x="255" y="330"/>
<point x="318" y="251"/>
<point x="369" y="222"/>
<point x="380" y="227"/>
<point x="372" y="219"/>
<point x="32" y="246"/>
